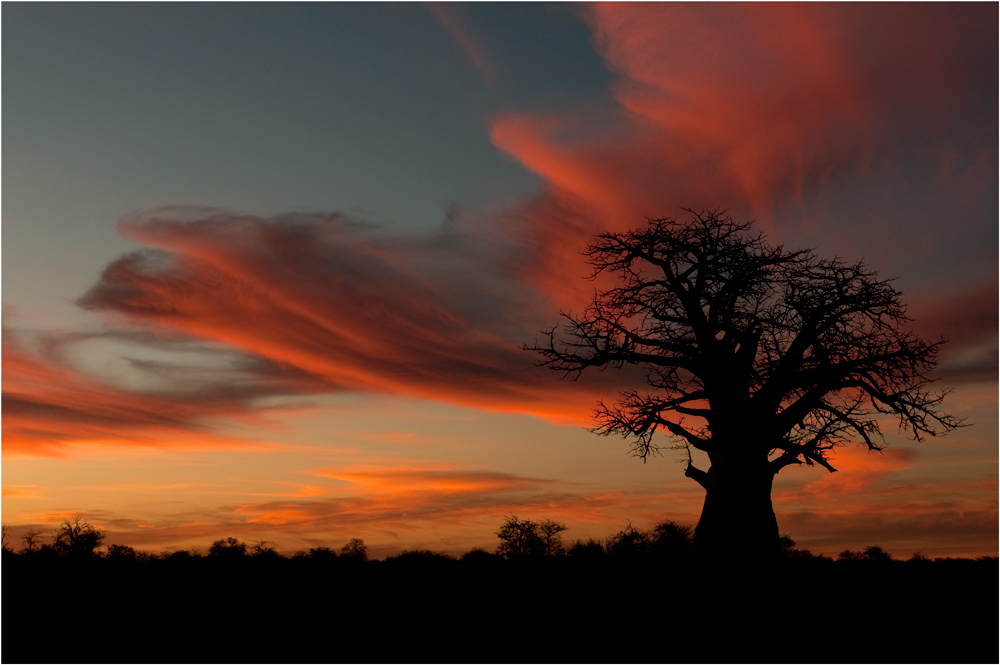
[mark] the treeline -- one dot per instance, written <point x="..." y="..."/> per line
<point x="535" y="597"/>
<point x="518" y="540"/>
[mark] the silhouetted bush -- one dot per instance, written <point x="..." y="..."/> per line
<point x="479" y="556"/>
<point x="120" y="553"/>
<point x="228" y="548"/>
<point x="354" y="550"/>
<point x="871" y="554"/>
<point x="264" y="549"/>
<point x="629" y="543"/>
<point x="423" y="559"/>
<point x="586" y="550"/>
<point x="672" y="541"/>
<point x="876" y="554"/>
<point x="322" y="554"/>
<point x="181" y="555"/>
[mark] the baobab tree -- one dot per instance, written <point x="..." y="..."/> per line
<point x="759" y="356"/>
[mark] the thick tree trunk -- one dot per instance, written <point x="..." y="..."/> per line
<point x="737" y="529"/>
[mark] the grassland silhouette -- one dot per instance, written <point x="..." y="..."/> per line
<point x="638" y="595"/>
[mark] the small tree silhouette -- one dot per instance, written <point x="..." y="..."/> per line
<point x="629" y="543"/>
<point x="121" y="553"/>
<point x="263" y="548"/>
<point x="586" y="550"/>
<point x="672" y="541"/>
<point x="78" y="539"/>
<point x="519" y="539"/>
<point x="877" y="554"/>
<point x="550" y="533"/>
<point x="354" y="550"/>
<point x="228" y="548"/>
<point x="30" y="541"/>
<point x="322" y="553"/>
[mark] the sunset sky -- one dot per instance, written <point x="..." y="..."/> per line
<point x="268" y="268"/>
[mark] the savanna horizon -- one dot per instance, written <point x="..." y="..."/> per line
<point x="248" y="293"/>
<point x="421" y="598"/>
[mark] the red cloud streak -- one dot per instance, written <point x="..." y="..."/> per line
<point x="45" y="407"/>
<point x="424" y="318"/>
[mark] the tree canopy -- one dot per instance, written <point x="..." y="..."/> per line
<point x="811" y="351"/>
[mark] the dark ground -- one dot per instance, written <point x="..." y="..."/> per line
<point x="560" y="610"/>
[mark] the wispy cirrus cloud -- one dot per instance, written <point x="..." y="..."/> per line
<point x="49" y="403"/>
<point x="456" y="24"/>
<point x="440" y="317"/>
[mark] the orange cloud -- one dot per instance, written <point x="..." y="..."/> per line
<point x="409" y="480"/>
<point x="432" y="318"/>
<point x="858" y="469"/>
<point x="22" y="492"/>
<point x="48" y="405"/>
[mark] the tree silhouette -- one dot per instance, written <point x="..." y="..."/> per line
<point x="519" y="539"/>
<point x="550" y="533"/>
<point x="629" y="543"/>
<point x="264" y="548"/>
<point x="78" y="539"/>
<point x="322" y="553"/>
<point x="31" y="541"/>
<point x="355" y="549"/>
<point x="228" y="548"/>
<point x="758" y="356"/>
<point x="121" y="553"/>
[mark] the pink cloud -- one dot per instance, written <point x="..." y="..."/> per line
<point x="437" y="318"/>
<point x="451" y="18"/>
<point x="48" y="404"/>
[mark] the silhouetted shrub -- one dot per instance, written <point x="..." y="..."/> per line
<point x="423" y="559"/>
<point x="322" y="554"/>
<point x="871" y="554"/>
<point x="672" y="541"/>
<point x="876" y="554"/>
<point x="354" y="550"/>
<point x="228" y="548"/>
<point x="121" y="553"/>
<point x="478" y="555"/>
<point x="586" y="550"/>
<point x="789" y="552"/>
<point x="629" y="543"/>
<point x="264" y="549"/>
